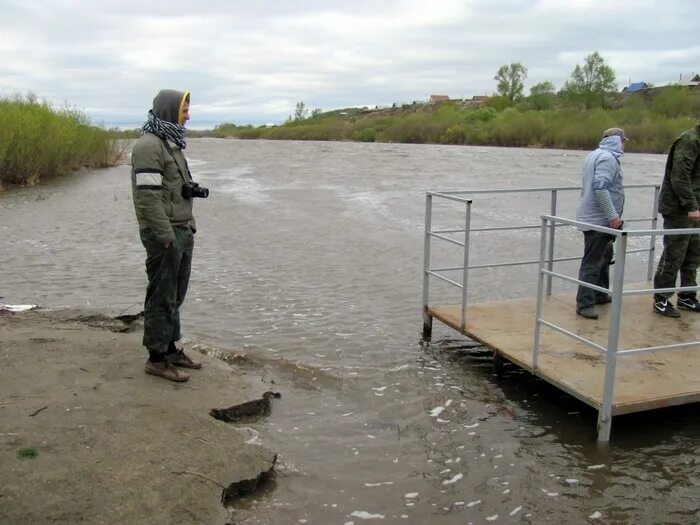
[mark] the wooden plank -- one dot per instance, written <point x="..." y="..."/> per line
<point x="643" y="381"/>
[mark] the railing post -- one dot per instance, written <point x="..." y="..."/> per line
<point x="552" y="229"/>
<point x="652" y="239"/>
<point x="605" y="412"/>
<point x="540" y="293"/>
<point x="427" y="319"/>
<point x="465" y="272"/>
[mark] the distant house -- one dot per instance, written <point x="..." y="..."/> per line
<point x="476" y="101"/>
<point x="438" y="99"/>
<point x="634" y="87"/>
<point x="690" y="80"/>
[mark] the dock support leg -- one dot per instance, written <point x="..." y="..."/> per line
<point x="427" y="325"/>
<point x="604" y="425"/>
<point x="605" y="412"/>
<point x="498" y="364"/>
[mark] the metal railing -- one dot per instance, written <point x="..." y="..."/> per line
<point x="617" y="291"/>
<point x="465" y="198"/>
<point x="548" y="227"/>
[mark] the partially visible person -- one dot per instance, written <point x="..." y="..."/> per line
<point x="601" y="204"/>
<point x="166" y="226"/>
<point x="679" y="201"/>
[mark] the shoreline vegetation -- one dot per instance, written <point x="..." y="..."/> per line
<point x="652" y="119"/>
<point x="39" y="141"/>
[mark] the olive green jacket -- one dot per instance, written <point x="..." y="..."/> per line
<point x="680" y="190"/>
<point x="157" y="178"/>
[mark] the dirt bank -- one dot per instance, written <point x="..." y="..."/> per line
<point x="86" y="436"/>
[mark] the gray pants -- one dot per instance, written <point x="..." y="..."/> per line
<point x="681" y="254"/>
<point x="168" y="271"/>
<point x="595" y="267"/>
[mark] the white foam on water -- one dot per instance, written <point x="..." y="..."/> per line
<point x="453" y="479"/>
<point x="17" y="307"/>
<point x="596" y="515"/>
<point x="596" y="467"/>
<point x="364" y="515"/>
<point x="241" y="187"/>
<point x="492" y="518"/>
<point x="410" y="495"/>
<point x="435" y="412"/>
<point x="472" y="503"/>
<point x="516" y="510"/>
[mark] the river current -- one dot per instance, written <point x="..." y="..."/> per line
<point x="308" y="259"/>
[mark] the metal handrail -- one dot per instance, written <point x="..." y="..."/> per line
<point x="611" y="350"/>
<point x="464" y="197"/>
<point x="549" y="225"/>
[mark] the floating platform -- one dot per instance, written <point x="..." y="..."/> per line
<point x="643" y="381"/>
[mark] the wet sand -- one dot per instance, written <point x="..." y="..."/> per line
<point x="114" y="445"/>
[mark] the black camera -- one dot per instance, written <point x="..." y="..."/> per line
<point x="193" y="189"/>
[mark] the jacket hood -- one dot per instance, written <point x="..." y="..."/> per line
<point x="168" y="105"/>
<point x="612" y="144"/>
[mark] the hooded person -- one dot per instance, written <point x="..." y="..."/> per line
<point x="601" y="204"/>
<point x="166" y="226"/>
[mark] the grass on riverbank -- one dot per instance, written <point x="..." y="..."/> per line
<point x="38" y="141"/>
<point x="651" y="121"/>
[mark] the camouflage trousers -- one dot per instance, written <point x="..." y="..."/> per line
<point x="168" y="271"/>
<point x="681" y="254"/>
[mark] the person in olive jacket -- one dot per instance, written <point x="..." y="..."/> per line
<point x="679" y="203"/>
<point x="166" y="226"/>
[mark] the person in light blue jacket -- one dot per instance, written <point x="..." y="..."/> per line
<point x="601" y="204"/>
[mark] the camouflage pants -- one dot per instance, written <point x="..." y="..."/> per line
<point x="168" y="271"/>
<point x="681" y="254"/>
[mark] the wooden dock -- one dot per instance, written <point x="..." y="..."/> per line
<point x="643" y="381"/>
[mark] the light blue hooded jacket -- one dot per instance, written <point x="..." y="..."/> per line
<point x="602" y="171"/>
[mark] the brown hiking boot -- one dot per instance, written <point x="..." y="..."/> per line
<point x="166" y="370"/>
<point x="180" y="359"/>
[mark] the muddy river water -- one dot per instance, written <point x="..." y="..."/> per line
<point x="308" y="259"/>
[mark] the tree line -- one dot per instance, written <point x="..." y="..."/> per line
<point x="589" y="85"/>
<point x="571" y="118"/>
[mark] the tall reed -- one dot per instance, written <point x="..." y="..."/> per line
<point x="39" y="141"/>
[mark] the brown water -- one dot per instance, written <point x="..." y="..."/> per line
<point x="308" y="257"/>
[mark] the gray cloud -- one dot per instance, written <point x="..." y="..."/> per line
<point x="251" y="61"/>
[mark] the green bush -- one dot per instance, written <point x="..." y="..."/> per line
<point x="484" y="114"/>
<point x="365" y="135"/>
<point x="676" y="101"/>
<point x="38" y="141"/>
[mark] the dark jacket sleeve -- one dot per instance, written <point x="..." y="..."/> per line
<point x="148" y="165"/>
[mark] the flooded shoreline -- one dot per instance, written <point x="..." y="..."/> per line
<point x="308" y="259"/>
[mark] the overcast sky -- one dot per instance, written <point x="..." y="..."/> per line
<point x="251" y="61"/>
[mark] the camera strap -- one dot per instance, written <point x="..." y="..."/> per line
<point x="187" y="176"/>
